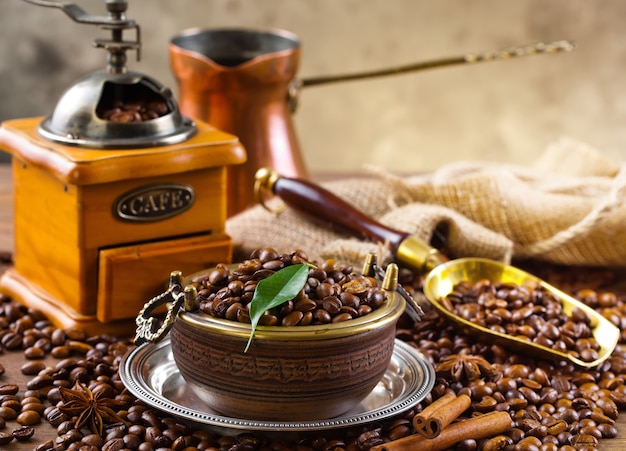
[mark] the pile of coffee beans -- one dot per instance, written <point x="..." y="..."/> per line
<point x="332" y="293"/>
<point x="555" y="406"/>
<point x="529" y="312"/>
<point x="134" y="111"/>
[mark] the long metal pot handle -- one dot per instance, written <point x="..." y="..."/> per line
<point x="469" y="58"/>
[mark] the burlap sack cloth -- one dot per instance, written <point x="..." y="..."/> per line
<point x="567" y="208"/>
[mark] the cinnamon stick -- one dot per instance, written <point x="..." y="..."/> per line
<point x="478" y="427"/>
<point x="431" y="421"/>
<point x="432" y="407"/>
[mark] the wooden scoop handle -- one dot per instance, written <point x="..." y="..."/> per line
<point x="324" y="208"/>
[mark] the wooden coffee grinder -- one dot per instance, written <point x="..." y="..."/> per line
<point x="113" y="191"/>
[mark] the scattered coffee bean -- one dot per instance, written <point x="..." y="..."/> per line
<point x="32" y="368"/>
<point x="5" y="438"/>
<point x="45" y="446"/>
<point x="29" y="418"/>
<point x="9" y="389"/>
<point x="23" y="433"/>
<point x="8" y="413"/>
<point x="554" y="405"/>
<point x="34" y="352"/>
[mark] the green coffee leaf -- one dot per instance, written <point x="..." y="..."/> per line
<point x="272" y="291"/>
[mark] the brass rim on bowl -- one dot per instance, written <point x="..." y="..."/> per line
<point x="388" y="312"/>
<point x="181" y="305"/>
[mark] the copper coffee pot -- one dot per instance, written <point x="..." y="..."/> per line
<point x="237" y="80"/>
<point x="243" y="81"/>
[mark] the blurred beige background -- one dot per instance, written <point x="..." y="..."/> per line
<point x="502" y="111"/>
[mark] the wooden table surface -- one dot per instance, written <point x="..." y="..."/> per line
<point x="12" y="361"/>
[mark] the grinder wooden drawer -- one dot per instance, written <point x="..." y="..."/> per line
<point x="130" y="276"/>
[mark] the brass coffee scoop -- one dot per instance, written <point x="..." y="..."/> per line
<point x="441" y="275"/>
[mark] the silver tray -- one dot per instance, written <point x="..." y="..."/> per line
<point x="150" y="373"/>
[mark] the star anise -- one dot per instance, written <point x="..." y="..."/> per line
<point x="465" y="367"/>
<point x="90" y="409"/>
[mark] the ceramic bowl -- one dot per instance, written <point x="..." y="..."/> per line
<point x="298" y="373"/>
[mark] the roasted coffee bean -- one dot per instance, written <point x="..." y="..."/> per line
<point x="292" y="319"/>
<point x="58" y="337"/>
<point x="529" y="443"/>
<point x="110" y="434"/>
<point x="5" y="398"/>
<point x="33" y="353"/>
<point x="186" y="442"/>
<point x="12" y="341"/>
<point x="608" y="407"/>
<point x="150" y="418"/>
<point x="364" y="310"/>
<point x="592" y="431"/>
<point x="496" y="443"/>
<point x="162" y="441"/>
<point x="134" y="111"/>
<point x="61" y="352"/>
<point x="13" y="312"/>
<point x="327" y="293"/>
<point x="29" y="418"/>
<point x="33" y="406"/>
<point x="131" y="441"/>
<point x="268" y="319"/>
<point x="5" y="438"/>
<point x="556" y="427"/>
<point x="55" y="416"/>
<point x="607" y="430"/>
<point x="369" y="439"/>
<point x="349" y="310"/>
<point x="375" y="298"/>
<point x="322" y="316"/>
<point x="44" y="344"/>
<point x="45" y="446"/>
<point x="78" y="374"/>
<point x="8" y="413"/>
<point x="80" y="347"/>
<point x="115" y="444"/>
<point x="340" y="317"/>
<point x="23" y="433"/>
<point x="32" y="368"/>
<point x="76" y="334"/>
<point x="64" y="427"/>
<point x="9" y="389"/>
<point x="486" y="404"/>
<point x="399" y="428"/>
<point x="307" y="319"/>
<point x="82" y="447"/>
<point x="274" y="265"/>
<point x="12" y="404"/>
<point x="581" y="441"/>
<point x="530" y="395"/>
<point x="40" y="381"/>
